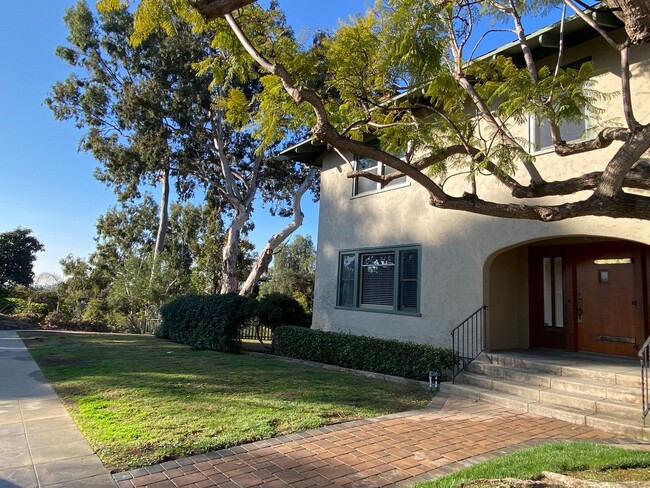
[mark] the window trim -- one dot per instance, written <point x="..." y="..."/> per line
<point x="534" y="122"/>
<point x="380" y="170"/>
<point x="356" y="296"/>
<point x="533" y="135"/>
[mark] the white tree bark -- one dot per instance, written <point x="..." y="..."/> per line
<point x="261" y="266"/>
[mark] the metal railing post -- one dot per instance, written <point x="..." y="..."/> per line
<point x="644" y="357"/>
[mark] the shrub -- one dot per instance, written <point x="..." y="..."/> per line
<point x="61" y="321"/>
<point x="11" y="306"/>
<point x="25" y="309"/>
<point x="204" y="322"/>
<point x="386" y="356"/>
<point x="277" y="309"/>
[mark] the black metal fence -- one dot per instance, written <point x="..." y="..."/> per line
<point x="256" y="332"/>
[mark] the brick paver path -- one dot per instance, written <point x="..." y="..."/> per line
<point x="393" y="450"/>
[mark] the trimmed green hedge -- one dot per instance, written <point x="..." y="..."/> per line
<point x="386" y="356"/>
<point x="204" y="322"/>
<point x="276" y="309"/>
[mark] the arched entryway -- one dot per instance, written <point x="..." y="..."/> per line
<point x="583" y="294"/>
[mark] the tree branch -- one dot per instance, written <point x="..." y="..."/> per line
<point x="212" y="9"/>
<point x="603" y="139"/>
<point x="266" y="255"/>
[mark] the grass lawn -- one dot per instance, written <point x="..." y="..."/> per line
<point x="585" y="460"/>
<point x="141" y="400"/>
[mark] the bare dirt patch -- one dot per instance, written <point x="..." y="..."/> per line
<point x="615" y="478"/>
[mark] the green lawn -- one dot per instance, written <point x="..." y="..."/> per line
<point x="141" y="400"/>
<point x="597" y="462"/>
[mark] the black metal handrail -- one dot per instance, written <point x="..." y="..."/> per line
<point x="644" y="357"/>
<point x="468" y="339"/>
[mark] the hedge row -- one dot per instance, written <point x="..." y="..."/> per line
<point x="405" y="359"/>
<point x="204" y="322"/>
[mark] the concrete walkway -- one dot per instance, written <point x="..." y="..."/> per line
<point x="394" y="450"/>
<point x="40" y="445"/>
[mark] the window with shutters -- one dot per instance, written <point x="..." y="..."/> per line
<point x="385" y="279"/>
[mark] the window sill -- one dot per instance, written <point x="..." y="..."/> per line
<point x="383" y="190"/>
<point x="378" y="310"/>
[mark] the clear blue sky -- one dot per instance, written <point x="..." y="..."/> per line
<point x="45" y="184"/>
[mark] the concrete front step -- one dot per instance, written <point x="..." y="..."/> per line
<point x="629" y="428"/>
<point x="535" y="378"/>
<point x="619" y="410"/>
<point x="524" y="364"/>
<point x="477" y="393"/>
<point x="597" y="420"/>
<point x="601" y="370"/>
<point x="568" y="414"/>
<point x="518" y="389"/>
<point x="600" y="389"/>
<point x="577" y="401"/>
<point x="584" y="390"/>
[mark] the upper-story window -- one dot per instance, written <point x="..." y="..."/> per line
<point x="363" y="186"/>
<point x="539" y="131"/>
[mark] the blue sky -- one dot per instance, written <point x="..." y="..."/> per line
<point x="47" y="185"/>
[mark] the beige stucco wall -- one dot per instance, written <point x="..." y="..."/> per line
<point x="467" y="260"/>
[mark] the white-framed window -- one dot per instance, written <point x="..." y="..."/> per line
<point x="539" y="133"/>
<point x="539" y="130"/>
<point x="381" y="279"/>
<point x="364" y="186"/>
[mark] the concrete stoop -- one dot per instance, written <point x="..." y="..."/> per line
<point x="599" y="392"/>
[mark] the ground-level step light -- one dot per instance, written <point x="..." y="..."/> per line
<point x="434" y="380"/>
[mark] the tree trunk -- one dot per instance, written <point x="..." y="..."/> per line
<point x="261" y="266"/>
<point x="636" y="16"/>
<point x="228" y="279"/>
<point x="163" y="220"/>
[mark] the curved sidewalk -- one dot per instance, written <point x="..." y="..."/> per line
<point x="394" y="450"/>
<point x="40" y="445"/>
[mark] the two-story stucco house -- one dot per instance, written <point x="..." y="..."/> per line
<point x="390" y="265"/>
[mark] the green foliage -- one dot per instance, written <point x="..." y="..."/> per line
<point x="140" y="108"/>
<point x="276" y="309"/>
<point x="23" y="308"/>
<point x="204" y="322"/>
<point x="18" y="250"/>
<point x="384" y="356"/>
<point x="293" y="272"/>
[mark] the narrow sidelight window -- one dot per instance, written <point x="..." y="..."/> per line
<point x="553" y="293"/>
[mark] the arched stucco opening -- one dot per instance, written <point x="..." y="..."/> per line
<point x="507" y="288"/>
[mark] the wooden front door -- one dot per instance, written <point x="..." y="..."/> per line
<point x="609" y="301"/>
<point x="588" y="297"/>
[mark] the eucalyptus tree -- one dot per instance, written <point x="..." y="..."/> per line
<point x="362" y="83"/>
<point x="137" y="106"/>
<point x="176" y="106"/>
